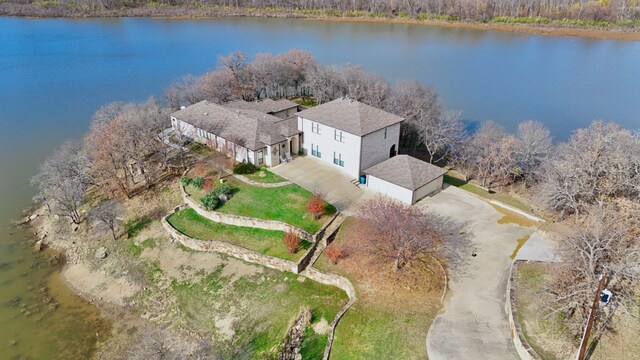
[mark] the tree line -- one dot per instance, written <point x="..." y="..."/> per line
<point x="468" y="10"/>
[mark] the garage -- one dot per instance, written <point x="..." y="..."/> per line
<point x="405" y="178"/>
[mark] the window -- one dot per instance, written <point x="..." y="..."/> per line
<point x="337" y="135"/>
<point x="260" y="157"/>
<point x="315" y="151"/>
<point x="315" y="128"/>
<point x="338" y="159"/>
<point x="385" y="132"/>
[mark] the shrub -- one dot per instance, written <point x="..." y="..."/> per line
<point x="316" y="207"/>
<point x="334" y="253"/>
<point x="245" y="168"/>
<point x="224" y="189"/>
<point x="292" y="240"/>
<point x="185" y="181"/>
<point x="197" y="181"/>
<point x="208" y="185"/>
<point x="210" y="201"/>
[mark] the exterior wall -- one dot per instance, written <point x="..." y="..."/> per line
<point x="287" y="113"/>
<point x="389" y="189"/>
<point x="427" y="189"/>
<point x="375" y="148"/>
<point x="240" y="153"/>
<point x="349" y="147"/>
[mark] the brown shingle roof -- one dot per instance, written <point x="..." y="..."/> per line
<point x="267" y="106"/>
<point x="248" y="125"/>
<point x="406" y="171"/>
<point x="351" y="116"/>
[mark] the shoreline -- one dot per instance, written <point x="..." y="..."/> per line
<point x="178" y="13"/>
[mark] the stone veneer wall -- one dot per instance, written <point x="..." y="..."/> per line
<point x="521" y="344"/>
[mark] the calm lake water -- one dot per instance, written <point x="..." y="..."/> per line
<point x="55" y="73"/>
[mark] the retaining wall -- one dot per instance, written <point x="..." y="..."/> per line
<point x="525" y="351"/>
<point x="228" y="249"/>
<point x="238" y="220"/>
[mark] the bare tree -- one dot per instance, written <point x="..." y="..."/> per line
<point x="107" y="214"/>
<point x="491" y="154"/>
<point x="533" y="148"/>
<point x="596" y="164"/>
<point x="602" y="243"/>
<point x="399" y="236"/>
<point x="65" y="177"/>
<point x="185" y="91"/>
<point x="441" y="136"/>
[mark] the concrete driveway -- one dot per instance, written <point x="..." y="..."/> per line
<point x="474" y="324"/>
<point x="314" y="175"/>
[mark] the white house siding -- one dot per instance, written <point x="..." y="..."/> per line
<point x="427" y="189"/>
<point x="392" y="190"/>
<point x="375" y="148"/>
<point x="349" y="147"/>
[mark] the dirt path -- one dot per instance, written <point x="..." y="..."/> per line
<point x="474" y="325"/>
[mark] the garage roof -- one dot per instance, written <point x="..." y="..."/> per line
<point x="406" y="171"/>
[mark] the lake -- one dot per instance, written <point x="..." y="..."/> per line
<point x="54" y="73"/>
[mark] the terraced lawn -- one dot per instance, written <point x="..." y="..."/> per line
<point x="286" y="203"/>
<point x="268" y="177"/>
<point x="268" y="242"/>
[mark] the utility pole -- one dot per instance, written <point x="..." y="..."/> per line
<point x="592" y="316"/>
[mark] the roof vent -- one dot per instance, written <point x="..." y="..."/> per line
<point x="182" y="107"/>
<point x="205" y="114"/>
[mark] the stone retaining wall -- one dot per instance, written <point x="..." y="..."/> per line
<point x="228" y="249"/>
<point x="339" y="282"/>
<point x="524" y="350"/>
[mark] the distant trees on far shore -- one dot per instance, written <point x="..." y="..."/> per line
<point x="570" y="12"/>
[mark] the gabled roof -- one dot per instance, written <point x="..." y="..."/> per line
<point x="249" y="128"/>
<point x="406" y="171"/>
<point x="266" y="106"/>
<point x="350" y="115"/>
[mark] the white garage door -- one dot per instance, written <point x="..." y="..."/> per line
<point x="428" y="188"/>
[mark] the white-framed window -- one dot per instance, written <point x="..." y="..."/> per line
<point x="337" y="135"/>
<point x="315" y="128"/>
<point x="315" y="151"/>
<point x="337" y="159"/>
<point x="259" y="157"/>
<point x="385" y="132"/>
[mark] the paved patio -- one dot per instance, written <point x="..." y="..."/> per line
<point x="315" y="175"/>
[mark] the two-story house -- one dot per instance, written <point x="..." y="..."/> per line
<point x="349" y="134"/>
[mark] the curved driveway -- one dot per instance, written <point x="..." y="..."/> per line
<point x="474" y="324"/>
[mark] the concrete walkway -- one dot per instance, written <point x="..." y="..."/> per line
<point x="315" y="175"/>
<point x="474" y="324"/>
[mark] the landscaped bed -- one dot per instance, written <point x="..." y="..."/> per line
<point x="268" y="242"/>
<point x="388" y="321"/>
<point x="285" y="203"/>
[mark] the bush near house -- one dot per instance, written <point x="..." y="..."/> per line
<point x="210" y="201"/>
<point x="316" y="206"/>
<point x="244" y="168"/>
<point x="198" y="182"/>
<point x="185" y="181"/>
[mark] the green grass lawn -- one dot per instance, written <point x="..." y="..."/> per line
<point x="286" y="203"/>
<point x="269" y="178"/>
<point x="452" y="180"/>
<point x="268" y="242"/>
